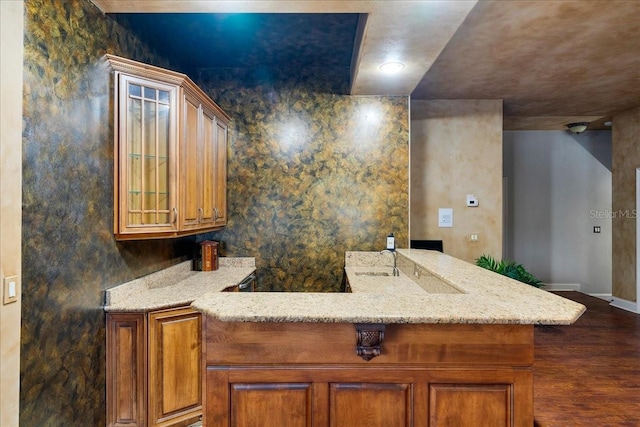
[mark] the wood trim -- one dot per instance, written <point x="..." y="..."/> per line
<point x="165" y="235"/>
<point x="141" y="69"/>
<point x="229" y="343"/>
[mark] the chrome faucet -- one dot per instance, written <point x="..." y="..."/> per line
<point x="396" y="272"/>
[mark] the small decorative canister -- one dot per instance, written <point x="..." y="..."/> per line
<point x="209" y="255"/>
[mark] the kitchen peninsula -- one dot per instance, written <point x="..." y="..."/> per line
<point x="443" y="344"/>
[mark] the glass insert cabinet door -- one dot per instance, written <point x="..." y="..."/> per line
<point x="147" y="144"/>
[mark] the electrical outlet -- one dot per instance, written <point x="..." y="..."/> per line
<point x="473" y="237"/>
<point x="10" y="289"/>
<point x="596" y="229"/>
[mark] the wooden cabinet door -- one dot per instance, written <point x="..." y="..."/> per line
<point x="146" y="145"/>
<point x="175" y="386"/>
<point x="221" y="174"/>
<point x="126" y="367"/>
<point x="488" y="398"/>
<point x="204" y="167"/>
<point x="287" y="405"/>
<point x="191" y="163"/>
<point x="208" y="155"/>
<point x="257" y="397"/>
<point x="371" y="404"/>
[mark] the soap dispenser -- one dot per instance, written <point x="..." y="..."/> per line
<point x="391" y="242"/>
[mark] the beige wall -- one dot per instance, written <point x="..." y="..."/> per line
<point x="456" y="149"/>
<point x="626" y="158"/>
<point x="11" y="28"/>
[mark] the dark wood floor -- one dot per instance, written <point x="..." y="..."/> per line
<point x="588" y="374"/>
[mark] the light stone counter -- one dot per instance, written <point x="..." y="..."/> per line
<point x="432" y="288"/>
<point x="176" y="286"/>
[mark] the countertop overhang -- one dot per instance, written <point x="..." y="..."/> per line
<point x="176" y="286"/>
<point x="484" y="297"/>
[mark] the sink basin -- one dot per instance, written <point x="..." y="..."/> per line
<point x="373" y="273"/>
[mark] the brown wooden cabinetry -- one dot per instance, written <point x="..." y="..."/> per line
<point x="203" y="165"/>
<point x="220" y="173"/>
<point x="309" y="375"/>
<point x="170" y="154"/>
<point x="154" y="368"/>
<point x="126" y="368"/>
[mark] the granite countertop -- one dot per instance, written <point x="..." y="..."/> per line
<point x="432" y="288"/>
<point x="176" y="286"/>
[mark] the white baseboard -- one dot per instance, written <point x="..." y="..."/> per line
<point x="562" y="287"/>
<point x="624" y="304"/>
<point x="606" y="297"/>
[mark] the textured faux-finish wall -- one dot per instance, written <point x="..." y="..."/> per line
<point x="456" y="149"/>
<point x="312" y="174"/>
<point x="69" y="253"/>
<point x="626" y="158"/>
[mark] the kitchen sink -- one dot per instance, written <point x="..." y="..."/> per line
<point x="373" y="273"/>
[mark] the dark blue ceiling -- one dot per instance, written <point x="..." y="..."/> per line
<point x="199" y="40"/>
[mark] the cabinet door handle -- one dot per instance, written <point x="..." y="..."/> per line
<point x="175" y="215"/>
<point x="217" y="215"/>
<point x="200" y="214"/>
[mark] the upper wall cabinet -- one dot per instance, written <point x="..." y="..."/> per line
<point x="170" y="164"/>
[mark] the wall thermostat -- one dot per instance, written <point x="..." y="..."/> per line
<point x="472" y="201"/>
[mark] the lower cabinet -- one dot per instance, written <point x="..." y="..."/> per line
<point x="369" y="397"/>
<point x="154" y="368"/>
<point x="312" y="375"/>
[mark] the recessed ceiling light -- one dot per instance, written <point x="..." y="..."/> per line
<point x="392" y="67"/>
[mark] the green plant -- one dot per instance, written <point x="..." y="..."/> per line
<point x="510" y="269"/>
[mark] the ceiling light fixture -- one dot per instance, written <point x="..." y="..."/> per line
<point x="392" y="67"/>
<point x="578" y="127"/>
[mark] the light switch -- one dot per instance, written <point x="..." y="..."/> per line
<point x="10" y="289"/>
<point x="445" y="217"/>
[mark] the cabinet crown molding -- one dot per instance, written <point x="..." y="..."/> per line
<point x="125" y="65"/>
